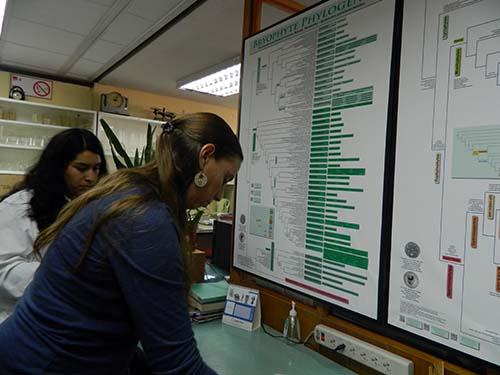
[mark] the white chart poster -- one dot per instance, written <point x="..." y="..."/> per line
<point x="445" y="263"/>
<point x="313" y="129"/>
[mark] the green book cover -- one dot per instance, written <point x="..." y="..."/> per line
<point x="210" y="292"/>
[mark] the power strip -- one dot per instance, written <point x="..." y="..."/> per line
<point x="370" y="355"/>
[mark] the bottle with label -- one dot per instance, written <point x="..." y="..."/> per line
<point x="291" y="330"/>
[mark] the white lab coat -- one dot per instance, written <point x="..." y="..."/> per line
<point x="17" y="261"/>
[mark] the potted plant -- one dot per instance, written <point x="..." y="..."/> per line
<point x="147" y="153"/>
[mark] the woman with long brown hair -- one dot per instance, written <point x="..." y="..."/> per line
<point x="114" y="271"/>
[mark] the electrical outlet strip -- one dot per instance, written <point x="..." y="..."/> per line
<point x="370" y="355"/>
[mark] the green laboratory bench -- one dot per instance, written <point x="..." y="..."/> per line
<point x="229" y="350"/>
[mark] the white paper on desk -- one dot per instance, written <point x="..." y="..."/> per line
<point x="242" y="308"/>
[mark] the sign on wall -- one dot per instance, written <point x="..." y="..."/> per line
<point x="32" y="86"/>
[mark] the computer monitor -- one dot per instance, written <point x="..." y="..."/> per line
<point x="221" y="244"/>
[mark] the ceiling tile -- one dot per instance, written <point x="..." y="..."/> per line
<point x="85" y="68"/>
<point x="30" y="68"/>
<point x="32" y="56"/>
<point x="125" y="29"/>
<point x="101" y="2"/>
<point x="77" y="16"/>
<point x="152" y="10"/>
<point x="42" y="37"/>
<point x="102" y="51"/>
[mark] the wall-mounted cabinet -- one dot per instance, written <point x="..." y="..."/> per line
<point x="131" y="131"/>
<point x="26" y="128"/>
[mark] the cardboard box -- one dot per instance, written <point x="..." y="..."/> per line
<point x="197" y="267"/>
<point x="7" y="182"/>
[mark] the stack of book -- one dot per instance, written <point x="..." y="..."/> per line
<point x="207" y="300"/>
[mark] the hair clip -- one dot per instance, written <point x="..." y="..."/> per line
<point x="168" y="127"/>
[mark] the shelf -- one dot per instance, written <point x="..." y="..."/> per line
<point x="22" y="103"/>
<point x="105" y="115"/>
<point x="33" y="124"/>
<point x="27" y="127"/>
<point x="21" y="147"/>
<point x="6" y="171"/>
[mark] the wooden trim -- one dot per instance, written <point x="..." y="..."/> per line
<point x="290" y="6"/>
<point x="251" y="17"/>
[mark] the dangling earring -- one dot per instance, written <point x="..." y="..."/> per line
<point x="200" y="179"/>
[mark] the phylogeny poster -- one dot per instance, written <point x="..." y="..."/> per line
<point x="314" y="102"/>
<point x="445" y="264"/>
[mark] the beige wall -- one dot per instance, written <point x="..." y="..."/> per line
<point x="140" y="102"/>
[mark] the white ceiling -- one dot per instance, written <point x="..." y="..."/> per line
<point x="82" y="39"/>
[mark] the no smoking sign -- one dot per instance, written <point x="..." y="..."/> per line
<point x="42" y="88"/>
<point x="32" y="86"/>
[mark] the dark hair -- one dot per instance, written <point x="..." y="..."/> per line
<point x="46" y="177"/>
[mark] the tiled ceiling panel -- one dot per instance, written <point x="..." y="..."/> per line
<point x="125" y="29"/>
<point x="102" y="51"/>
<point x="33" y="57"/>
<point x="29" y="67"/>
<point x="76" y="16"/>
<point x="84" y="68"/>
<point x="79" y="38"/>
<point x="101" y="2"/>
<point x="42" y="37"/>
<point x="152" y="10"/>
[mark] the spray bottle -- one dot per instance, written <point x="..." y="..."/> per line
<point x="291" y="330"/>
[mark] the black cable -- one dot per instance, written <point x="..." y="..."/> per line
<point x="308" y="337"/>
<point x="270" y="334"/>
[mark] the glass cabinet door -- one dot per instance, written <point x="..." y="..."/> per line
<point x="26" y="128"/>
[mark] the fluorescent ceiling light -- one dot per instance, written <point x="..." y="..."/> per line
<point x="221" y="80"/>
<point x="3" y="5"/>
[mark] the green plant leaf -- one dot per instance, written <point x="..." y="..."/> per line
<point x="116" y="159"/>
<point x="149" y="144"/>
<point x="115" y="143"/>
<point x="142" y="156"/>
<point x="137" y="162"/>
<point x="194" y="220"/>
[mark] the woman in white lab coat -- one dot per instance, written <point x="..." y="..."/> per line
<point x="70" y="164"/>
